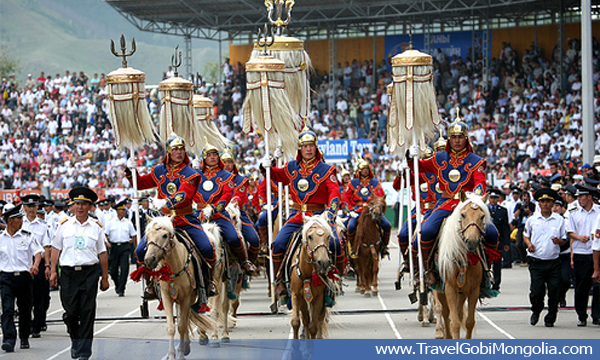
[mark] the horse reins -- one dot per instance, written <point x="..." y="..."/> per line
<point x="166" y="249"/>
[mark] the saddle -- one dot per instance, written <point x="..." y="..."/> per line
<point x="199" y="272"/>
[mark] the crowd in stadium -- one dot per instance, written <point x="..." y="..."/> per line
<point x="55" y="132"/>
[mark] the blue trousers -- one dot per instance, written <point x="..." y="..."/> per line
<point x="282" y="241"/>
<point x="262" y="218"/>
<point x="431" y="227"/>
<point x="229" y="233"/>
<point x="249" y="233"/>
<point x="196" y="233"/>
<point x="403" y="234"/>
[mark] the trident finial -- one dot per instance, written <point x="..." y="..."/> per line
<point x="124" y="53"/>
<point x="277" y="6"/>
<point x="263" y="41"/>
<point x="176" y="63"/>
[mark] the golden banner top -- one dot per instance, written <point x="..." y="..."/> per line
<point x="125" y="75"/>
<point x="412" y="58"/>
<point x="282" y="43"/>
<point x="265" y="63"/>
<point x="175" y="83"/>
<point x="202" y="102"/>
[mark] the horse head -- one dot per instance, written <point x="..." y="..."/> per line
<point x="160" y="236"/>
<point x="376" y="208"/>
<point x="474" y="217"/>
<point x="315" y="237"/>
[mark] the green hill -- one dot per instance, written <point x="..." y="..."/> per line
<point x="58" y="35"/>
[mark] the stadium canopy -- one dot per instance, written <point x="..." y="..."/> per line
<point x="237" y="20"/>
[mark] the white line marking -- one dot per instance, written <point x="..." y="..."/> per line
<point x="388" y="317"/>
<point x="495" y="326"/>
<point x="96" y="333"/>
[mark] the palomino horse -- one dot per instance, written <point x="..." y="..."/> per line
<point x="367" y="245"/>
<point x="461" y="239"/>
<point x="164" y="249"/>
<point x="310" y="279"/>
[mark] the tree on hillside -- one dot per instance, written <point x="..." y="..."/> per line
<point x="8" y="65"/>
<point x="211" y="72"/>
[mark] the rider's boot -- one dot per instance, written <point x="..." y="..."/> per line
<point x="263" y="236"/>
<point x="242" y="256"/>
<point x="384" y="248"/>
<point x="212" y="285"/>
<point x="432" y="277"/>
<point x="279" y="287"/>
<point x="150" y="290"/>
<point x="341" y="264"/>
<point x="252" y="254"/>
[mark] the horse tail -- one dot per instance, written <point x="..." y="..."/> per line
<point x="214" y="235"/>
<point x="203" y="322"/>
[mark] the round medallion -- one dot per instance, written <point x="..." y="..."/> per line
<point x="437" y="188"/>
<point x="454" y="175"/>
<point x="364" y="191"/>
<point x="171" y="188"/>
<point x="208" y="185"/>
<point x="303" y="185"/>
<point x="423" y="187"/>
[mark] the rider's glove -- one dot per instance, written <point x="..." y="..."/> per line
<point x="131" y="164"/>
<point x="196" y="163"/>
<point x="207" y="212"/>
<point x="414" y="151"/>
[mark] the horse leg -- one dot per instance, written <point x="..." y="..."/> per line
<point x="321" y="321"/>
<point x="455" y="309"/>
<point x="183" y="328"/>
<point x="225" y="314"/>
<point x="374" y="275"/>
<point x="470" y="323"/>
<point x="316" y="308"/>
<point x="437" y="307"/>
<point x="296" y="304"/>
<point x="168" y="306"/>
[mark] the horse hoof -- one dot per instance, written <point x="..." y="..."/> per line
<point x="367" y="295"/>
<point x="358" y="290"/>
<point x="375" y="293"/>
<point x="226" y="340"/>
<point x="203" y="342"/>
<point x="214" y="344"/>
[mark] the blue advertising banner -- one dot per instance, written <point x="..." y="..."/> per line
<point x="451" y="43"/>
<point x="341" y="149"/>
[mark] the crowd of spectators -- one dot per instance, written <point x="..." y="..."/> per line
<point x="54" y="131"/>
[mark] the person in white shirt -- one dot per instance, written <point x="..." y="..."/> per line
<point x="79" y="244"/>
<point x="20" y="256"/>
<point x="41" y="287"/>
<point x="121" y="235"/>
<point x="543" y="235"/>
<point x="579" y="229"/>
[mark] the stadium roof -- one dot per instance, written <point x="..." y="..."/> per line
<point x="239" y="19"/>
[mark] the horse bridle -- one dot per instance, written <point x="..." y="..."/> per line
<point x="165" y="248"/>
<point x="463" y="229"/>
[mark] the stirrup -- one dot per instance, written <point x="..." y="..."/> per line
<point x="212" y="289"/>
<point x="248" y="267"/>
<point x="150" y="293"/>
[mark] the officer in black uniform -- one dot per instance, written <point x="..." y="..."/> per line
<point x="20" y="256"/>
<point x="499" y="216"/>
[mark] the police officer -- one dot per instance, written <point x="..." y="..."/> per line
<point x="79" y="244"/>
<point x="121" y="235"/>
<point x="499" y="216"/>
<point x="20" y="256"/>
<point x="41" y="287"/>
<point x="543" y="235"/>
<point x="579" y="230"/>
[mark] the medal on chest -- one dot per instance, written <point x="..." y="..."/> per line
<point x="423" y="187"/>
<point x="454" y="175"/>
<point x="364" y="191"/>
<point x="303" y="185"/>
<point x="208" y="185"/>
<point x="171" y="188"/>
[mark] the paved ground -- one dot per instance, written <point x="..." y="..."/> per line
<point x="121" y="333"/>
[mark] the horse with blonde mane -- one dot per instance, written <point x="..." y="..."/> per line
<point x="168" y="255"/>
<point x="461" y="249"/>
<point x="311" y="277"/>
